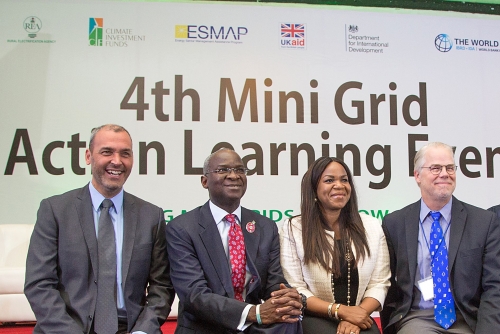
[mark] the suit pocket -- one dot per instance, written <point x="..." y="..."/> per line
<point x="468" y="266"/>
<point x="143" y="246"/>
<point x="473" y="253"/>
<point x="142" y="252"/>
<point x="186" y="330"/>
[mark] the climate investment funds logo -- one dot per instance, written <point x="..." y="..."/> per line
<point x="95" y="31"/>
<point x="443" y="43"/>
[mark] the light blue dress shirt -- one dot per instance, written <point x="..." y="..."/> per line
<point x="116" y="214"/>
<point x="223" y="228"/>
<point x="423" y="254"/>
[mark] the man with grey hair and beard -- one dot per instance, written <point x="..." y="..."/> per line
<point x="445" y="257"/>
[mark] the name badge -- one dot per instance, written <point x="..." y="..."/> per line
<point x="426" y="287"/>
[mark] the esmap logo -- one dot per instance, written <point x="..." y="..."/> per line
<point x="209" y="34"/>
<point x="32" y="25"/>
<point x="95" y="31"/>
<point x="443" y="43"/>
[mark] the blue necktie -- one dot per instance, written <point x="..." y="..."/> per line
<point x="444" y="306"/>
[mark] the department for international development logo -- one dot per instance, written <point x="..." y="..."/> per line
<point x="95" y="31"/>
<point x="293" y="35"/>
<point x="443" y="43"/>
<point x="32" y="25"/>
<point x="358" y="40"/>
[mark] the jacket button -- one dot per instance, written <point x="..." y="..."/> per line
<point x="90" y="317"/>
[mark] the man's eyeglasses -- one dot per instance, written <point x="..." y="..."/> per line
<point x="227" y="170"/>
<point x="436" y="169"/>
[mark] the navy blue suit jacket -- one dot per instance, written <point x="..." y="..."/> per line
<point x="201" y="273"/>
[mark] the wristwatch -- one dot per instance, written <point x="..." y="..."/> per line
<point x="304" y="302"/>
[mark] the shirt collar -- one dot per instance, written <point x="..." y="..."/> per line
<point x="97" y="199"/>
<point x="219" y="213"/>
<point x="445" y="211"/>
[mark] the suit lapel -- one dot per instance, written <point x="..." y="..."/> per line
<point x="211" y="240"/>
<point x="86" y="217"/>
<point x="411" y="229"/>
<point x="130" y="222"/>
<point x="252" y="241"/>
<point x="458" y="218"/>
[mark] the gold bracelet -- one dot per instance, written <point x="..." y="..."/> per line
<point x="336" y="311"/>
<point x="330" y="310"/>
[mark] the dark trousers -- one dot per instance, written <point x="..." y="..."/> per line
<point x="318" y="325"/>
<point x="122" y="327"/>
<point x="278" y="328"/>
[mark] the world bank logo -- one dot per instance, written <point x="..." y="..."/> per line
<point x="443" y="43"/>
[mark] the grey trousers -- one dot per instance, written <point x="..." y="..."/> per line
<point x="422" y="321"/>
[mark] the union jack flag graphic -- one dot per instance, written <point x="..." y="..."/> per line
<point x="293" y="30"/>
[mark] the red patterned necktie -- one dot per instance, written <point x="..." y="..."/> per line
<point x="237" y="256"/>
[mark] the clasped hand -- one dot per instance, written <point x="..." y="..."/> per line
<point x="283" y="306"/>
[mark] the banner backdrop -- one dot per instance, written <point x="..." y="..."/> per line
<point x="282" y="85"/>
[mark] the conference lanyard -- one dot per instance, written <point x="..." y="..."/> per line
<point x="425" y="237"/>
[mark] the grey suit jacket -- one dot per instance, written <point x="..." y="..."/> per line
<point x="474" y="265"/>
<point x="62" y="264"/>
<point x="201" y="273"/>
<point x="495" y="209"/>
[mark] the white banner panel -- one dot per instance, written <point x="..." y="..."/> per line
<point x="282" y="85"/>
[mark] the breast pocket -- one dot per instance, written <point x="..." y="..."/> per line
<point x="469" y="263"/>
<point x="142" y="252"/>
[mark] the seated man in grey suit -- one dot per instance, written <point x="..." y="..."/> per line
<point x="445" y="257"/>
<point x="225" y="260"/>
<point x="100" y="268"/>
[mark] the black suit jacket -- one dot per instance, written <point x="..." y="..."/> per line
<point x="62" y="264"/>
<point x="201" y="273"/>
<point x="474" y="264"/>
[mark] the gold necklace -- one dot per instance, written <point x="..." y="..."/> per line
<point x="348" y="259"/>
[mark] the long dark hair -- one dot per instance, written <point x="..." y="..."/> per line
<point x="317" y="246"/>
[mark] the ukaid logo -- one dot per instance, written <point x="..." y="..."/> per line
<point x="446" y="43"/>
<point x="209" y="34"/>
<point x="293" y="36"/>
<point x="95" y="31"/>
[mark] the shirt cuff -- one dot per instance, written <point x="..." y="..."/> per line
<point x="243" y="323"/>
